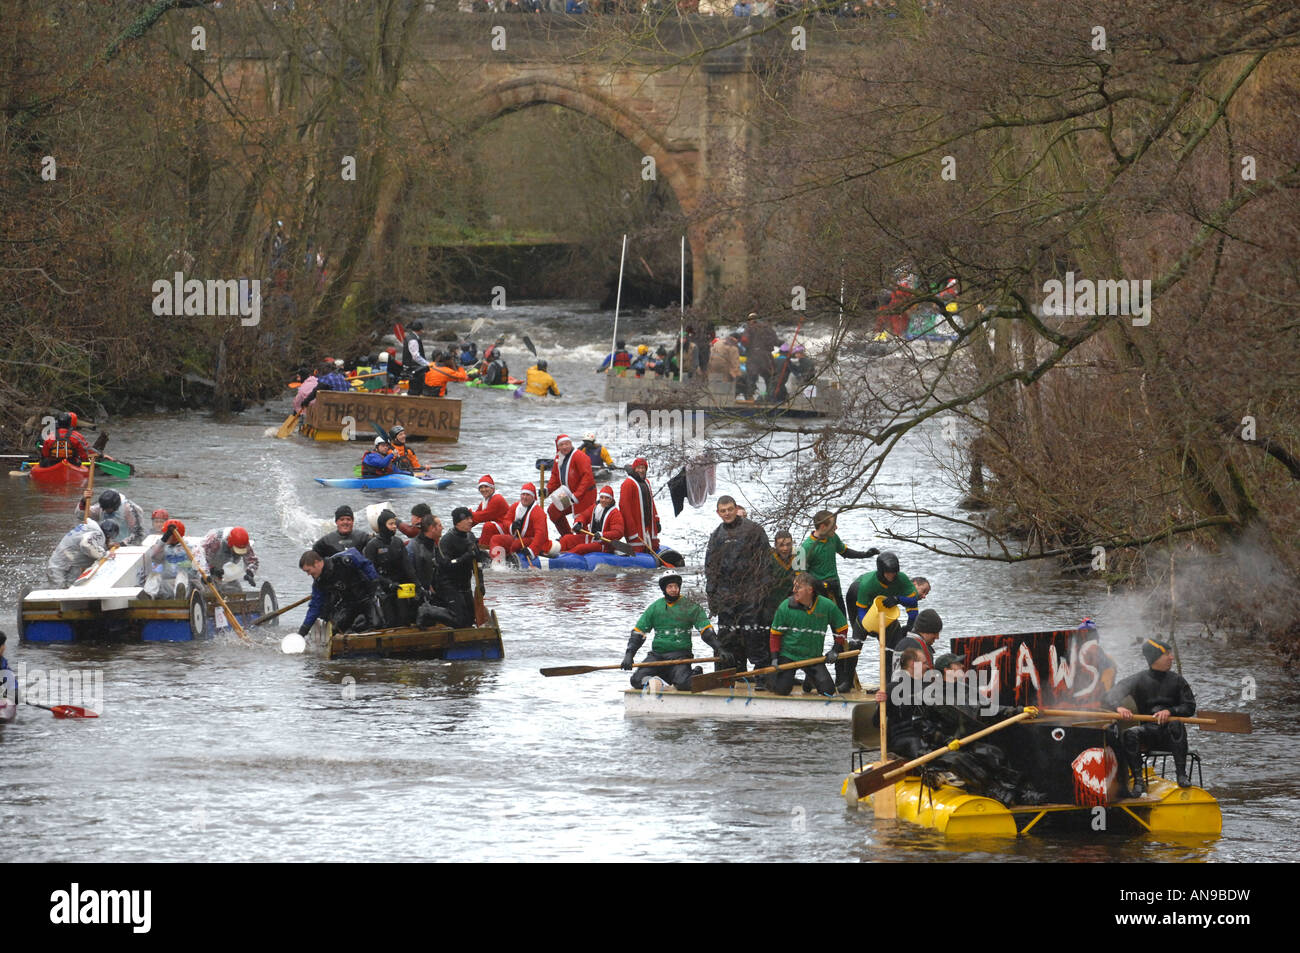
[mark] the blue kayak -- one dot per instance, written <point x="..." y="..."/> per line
<point x="590" y="561"/>
<point x="392" y="481"/>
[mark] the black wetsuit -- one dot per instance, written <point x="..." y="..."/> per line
<point x="344" y="594"/>
<point x="387" y="552"/>
<point x="332" y="543"/>
<point x="437" y="589"/>
<point x="460" y="552"/>
<point x="1152" y="691"/>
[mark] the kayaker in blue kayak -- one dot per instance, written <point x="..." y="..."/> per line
<point x="380" y="461"/>
<point x="405" y="458"/>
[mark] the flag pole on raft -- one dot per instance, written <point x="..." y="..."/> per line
<point x="618" y="299"/>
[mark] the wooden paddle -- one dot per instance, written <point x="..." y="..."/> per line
<point x="286" y="428"/>
<point x="279" y="612"/>
<point x="481" y="616"/>
<point x="885" y="806"/>
<point x="709" y="680"/>
<point x="90" y="491"/>
<point x="618" y="547"/>
<point x="66" y="711"/>
<point x="584" y="669"/>
<point x="234" y="623"/>
<point x="882" y="777"/>
<point x="1231" y="722"/>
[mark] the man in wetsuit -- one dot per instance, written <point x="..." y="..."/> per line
<point x="461" y="551"/>
<point x="671" y="619"/>
<point x="345" y="536"/>
<point x="1159" y="692"/>
<point x="387" y="552"/>
<point x="343" y="591"/>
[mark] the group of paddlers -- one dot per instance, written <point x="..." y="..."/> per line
<point x="170" y="566"/>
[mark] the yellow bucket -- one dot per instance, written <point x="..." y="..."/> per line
<point x="406" y="590"/>
<point x="871" y="621"/>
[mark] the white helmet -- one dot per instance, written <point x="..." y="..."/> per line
<point x="589" y="436"/>
<point x="380" y="441"/>
<point x="338" y="362"/>
<point x="383" y="357"/>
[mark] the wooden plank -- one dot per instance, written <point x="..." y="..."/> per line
<point x="429" y="418"/>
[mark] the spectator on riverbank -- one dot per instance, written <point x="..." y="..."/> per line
<point x="743" y="9"/>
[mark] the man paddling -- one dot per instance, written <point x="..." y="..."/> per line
<point x="1160" y="692"/>
<point x="636" y="504"/>
<point x="492" y="512"/>
<point x="539" y="383"/>
<point x="343" y="591"/>
<point x="671" y="619"/>
<point x="404" y="459"/>
<point x="66" y="443"/>
<point x="379" y="461"/>
<point x="571" y="486"/>
<point x="444" y="370"/>
<point x="346" y="534"/>
<point x="113" y="505"/>
<point x="603" y="521"/>
<point x="597" y="453"/>
<point x="172" y="571"/>
<point x="231" y="544"/>
<point x="798" y="633"/>
<point x="79" y="549"/>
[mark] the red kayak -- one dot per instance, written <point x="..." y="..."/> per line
<point x="59" y="473"/>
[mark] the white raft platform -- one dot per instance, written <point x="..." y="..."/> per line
<point x="660" y="700"/>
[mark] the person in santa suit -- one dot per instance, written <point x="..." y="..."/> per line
<point x="527" y="528"/>
<point x="571" y="486"/>
<point x="603" y="520"/>
<point x="636" y="504"/>
<point x="491" y="512"/>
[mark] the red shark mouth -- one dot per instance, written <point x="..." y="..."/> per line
<point x="1094" y="771"/>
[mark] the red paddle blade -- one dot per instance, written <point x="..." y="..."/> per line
<point x="72" y="711"/>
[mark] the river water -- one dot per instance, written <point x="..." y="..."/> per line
<point x="219" y="750"/>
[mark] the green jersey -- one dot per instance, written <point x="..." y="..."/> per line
<point x="902" y="589"/>
<point x="803" y="631"/>
<point x="819" y="556"/>
<point x="671" y="623"/>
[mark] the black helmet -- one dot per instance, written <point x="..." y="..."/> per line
<point x="110" y="500"/>
<point x="417" y="325"/>
<point x="886" y="562"/>
<point x="668" y="580"/>
<point x="110" y="528"/>
<point x="541" y="365"/>
<point x="621" y="345"/>
<point x="397" y="430"/>
<point x="64" y="420"/>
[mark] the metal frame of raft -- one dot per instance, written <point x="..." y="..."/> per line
<point x="408" y="642"/>
<point x="1166" y="810"/>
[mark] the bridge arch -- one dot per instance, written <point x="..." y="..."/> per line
<point x="679" y="168"/>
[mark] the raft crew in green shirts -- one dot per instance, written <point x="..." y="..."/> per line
<point x="671" y="619"/>
<point x="819" y="552"/>
<point x="798" y="632"/>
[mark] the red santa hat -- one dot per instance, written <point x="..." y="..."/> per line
<point x="641" y="462"/>
<point x="560" y="439"/>
<point x="607" y="491"/>
<point x="528" y="488"/>
<point x="486" y="480"/>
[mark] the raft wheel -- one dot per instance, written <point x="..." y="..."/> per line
<point x="269" y="603"/>
<point x="197" y="612"/>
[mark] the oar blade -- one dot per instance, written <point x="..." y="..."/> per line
<point x="528" y="343"/>
<point x="454" y="467"/>
<point x="286" y="428"/>
<point x="570" y="670"/>
<point x="709" y="680"/>
<point x="72" y="711"/>
<point x="869" y="782"/>
<point x="1232" y="722"/>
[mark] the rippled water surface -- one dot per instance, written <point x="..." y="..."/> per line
<point x="220" y="750"/>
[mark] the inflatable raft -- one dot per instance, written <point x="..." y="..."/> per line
<point x="573" y="561"/>
<point x="106" y="605"/>
<point x="392" y="481"/>
<point x="1166" y="809"/>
